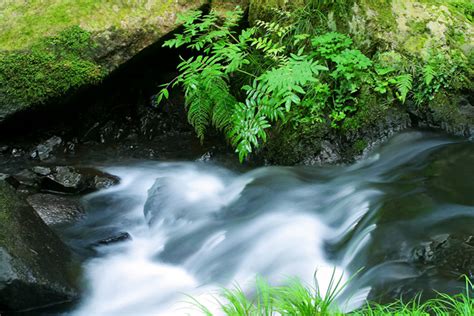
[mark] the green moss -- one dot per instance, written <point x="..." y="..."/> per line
<point x="359" y="146"/>
<point x="48" y="69"/>
<point x="444" y="108"/>
<point x="383" y="9"/>
<point x="24" y="22"/>
<point x="417" y="27"/>
<point x="297" y="144"/>
<point x="415" y="44"/>
<point x="371" y="109"/>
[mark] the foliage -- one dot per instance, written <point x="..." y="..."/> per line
<point x="244" y="81"/>
<point x="298" y="299"/>
<point x="441" y="71"/>
<point x="48" y="69"/>
<point x="294" y="298"/>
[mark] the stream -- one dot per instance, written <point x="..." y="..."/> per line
<point x="196" y="227"/>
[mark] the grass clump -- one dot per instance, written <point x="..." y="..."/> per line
<point x="297" y="299"/>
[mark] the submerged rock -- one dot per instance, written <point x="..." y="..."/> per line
<point x="119" y="237"/>
<point x="449" y="254"/>
<point x="56" y="209"/>
<point x="35" y="266"/>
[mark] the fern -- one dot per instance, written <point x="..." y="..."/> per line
<point x="429" y="74"/>
<point x="274" y="28"/>
<point x="270" y="96"/>
<point x="404" y="86"/>
<point x="330" y="44"/>
<point x="249" y="126"/>
<point x="242" y="82"/>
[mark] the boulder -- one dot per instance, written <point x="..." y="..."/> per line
<point x="88" y="41"/>
<point x="35" y="266"/>
<point x="56" y="209"/>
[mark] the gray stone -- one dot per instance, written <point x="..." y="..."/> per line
<point x="43" y="151"/>
<point x="74" y="180"/>
<point x="35" y="266"/>
<point x="42" y="171"/>
<point x="56" y="209"/>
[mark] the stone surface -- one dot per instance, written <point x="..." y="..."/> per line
<point x="56" y="209"/>
<point x="35" y="266"/>
<point x="117" y="31"/>
<point x="119" y="237"/>
<point x="44" y="150"/>
<point x="77" y="180"/>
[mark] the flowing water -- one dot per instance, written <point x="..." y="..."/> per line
<point x="197" y="227"/>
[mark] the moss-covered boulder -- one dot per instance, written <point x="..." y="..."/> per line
<point x="35" y="266"/>
<point x="49" y="48"/>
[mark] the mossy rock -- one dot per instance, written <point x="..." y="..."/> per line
<point x="48" y="69"/>
<point x="51" y="48"/>
<point x="35" y="266"/>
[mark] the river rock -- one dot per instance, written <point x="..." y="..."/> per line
<point x="35" y="266"/>
<point x="56" y="209"/>
<point x="25" y="181"/>
<point x="4" y="149"/>
<point x="44" y="151"/>
<point x="42" y="171"/>
<point x="77" y="180"/>
<point x="119" y="237"/>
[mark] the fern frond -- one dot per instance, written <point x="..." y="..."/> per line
<point x="249" y="126"/>
<point x="404" y="85"/>
<point x="199" y="110"/>
<point x="274" y="28"/>
<point x="429" y="74"/>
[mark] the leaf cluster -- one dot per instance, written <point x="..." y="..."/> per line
<point x="245" y="81"/>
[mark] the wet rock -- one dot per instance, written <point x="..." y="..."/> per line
<point x="56" y="209"/>
<point x="4" y="149"/>
<point x="42" y="171"/>
<point x="77" y="180"/>
<point x="449" y="254"/>
<point x="64" y="179"/>
<point x="35" y="265"/>
<point x="120" y="237"/>
<point x="206" y="157"/>
<point x="17" y="152"/>
<point x="44" y="151"/>
<point x="329" y="154"/>
<point x="25" y="181"/>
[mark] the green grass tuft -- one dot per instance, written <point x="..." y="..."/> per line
<point x="298" y="299"/>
